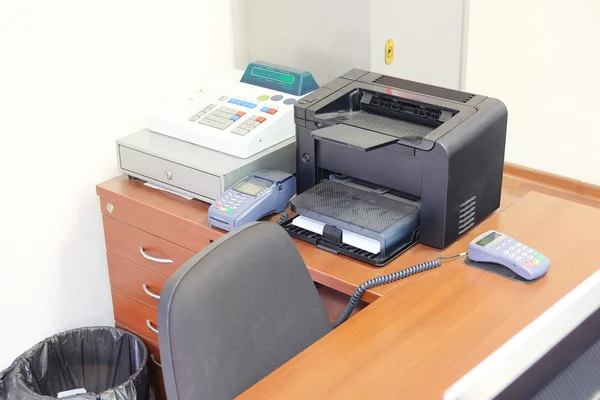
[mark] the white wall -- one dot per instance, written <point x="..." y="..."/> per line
<point x="427" y="38"/>
<point x="74" y="76"/>
<point x="331" y="37"/>
<point x="541" y="58"/>
<point x="325" y="37"/>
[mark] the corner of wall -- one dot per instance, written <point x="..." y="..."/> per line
<point x="464" y="48"/>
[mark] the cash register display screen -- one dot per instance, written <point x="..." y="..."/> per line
<point x="488" y="239"/>
<point x="273" y="75"/>
<point x="251" y="186"/>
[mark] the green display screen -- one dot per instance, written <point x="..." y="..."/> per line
<point x="279" y="78"/>
<point x="251" y="186"/>
<point x="488" y="239"/>
<point x="273" y="75"/>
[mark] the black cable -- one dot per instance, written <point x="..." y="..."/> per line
<point x="283" y="217"/>
<point x="382" y="280"/>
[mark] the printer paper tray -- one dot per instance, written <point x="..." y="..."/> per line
<point x="350" y="251"/>
<point x="354" y="137"/>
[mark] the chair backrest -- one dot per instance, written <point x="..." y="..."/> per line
<point x="235" y="312"/>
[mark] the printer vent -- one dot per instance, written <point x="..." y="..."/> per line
<point x="466" y="215"/>
<point x="443" y="93"/>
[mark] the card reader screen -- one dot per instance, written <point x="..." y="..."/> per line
<point x="488" y="239"/>
<point x="251" y="186"/>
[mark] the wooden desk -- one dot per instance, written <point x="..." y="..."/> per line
<point x="142" y="224"/>
<point x="434" y="327"/>
<point x="340" y="273"/>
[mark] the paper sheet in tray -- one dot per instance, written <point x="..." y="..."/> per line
<point x="351" y="238"/>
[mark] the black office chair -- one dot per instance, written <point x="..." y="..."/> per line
<point x="235" y="312"/>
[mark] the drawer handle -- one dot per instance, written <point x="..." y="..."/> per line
<point x="159" y="365"/>
<point x="155" y="259"/>
<point x="149" y="325"/>
<point x="149" y="293"/>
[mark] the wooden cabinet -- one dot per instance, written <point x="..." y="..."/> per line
<point x="142" y="253"/>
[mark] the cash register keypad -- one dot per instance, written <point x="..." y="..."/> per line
<point x="246" y="126"/>
<point x="222" y="117"/>
<point x="202" y="112"/>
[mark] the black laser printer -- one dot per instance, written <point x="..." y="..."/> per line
<point x="383" y="163"/>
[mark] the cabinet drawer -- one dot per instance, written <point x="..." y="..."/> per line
<point x="134" y="281"/>
<point x="154" y="225"/>
<point x="136" y="316"/>
<point x="144" y="249"/>
<point x="167" y="172"/>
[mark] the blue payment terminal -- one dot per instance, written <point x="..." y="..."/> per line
<point x="496" y="247"/>
<point x="260" y="194"/>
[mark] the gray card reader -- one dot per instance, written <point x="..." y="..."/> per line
<point x="260" y="194"/>
<point x="496" y="247"/>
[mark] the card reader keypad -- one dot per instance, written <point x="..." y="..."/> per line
<point x="520" y="252"/>
<point x="231" y="200"/>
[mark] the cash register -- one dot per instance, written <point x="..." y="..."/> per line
<point x="238" y="115"/>
<point x="383" y="163"/>
<point x="238" y="123"/>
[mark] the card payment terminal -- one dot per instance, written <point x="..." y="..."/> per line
<point x="262" y="193"/>
<point x="498" y="248"/>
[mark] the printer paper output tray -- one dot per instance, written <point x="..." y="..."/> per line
<point x="354" y="137"/>
<point x="393" y="223"/>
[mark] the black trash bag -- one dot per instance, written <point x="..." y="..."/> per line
<point x="109" y="363"/>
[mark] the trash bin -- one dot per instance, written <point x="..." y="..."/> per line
<point x="101" y="363"/>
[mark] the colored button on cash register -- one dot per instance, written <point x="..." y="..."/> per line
<point x="242" y="103"/>
<point x="260" y="120"/>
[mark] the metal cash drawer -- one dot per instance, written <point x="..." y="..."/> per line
<point x="146" y="166"/>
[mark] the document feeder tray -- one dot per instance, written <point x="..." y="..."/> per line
<point x="393" y="223"/>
